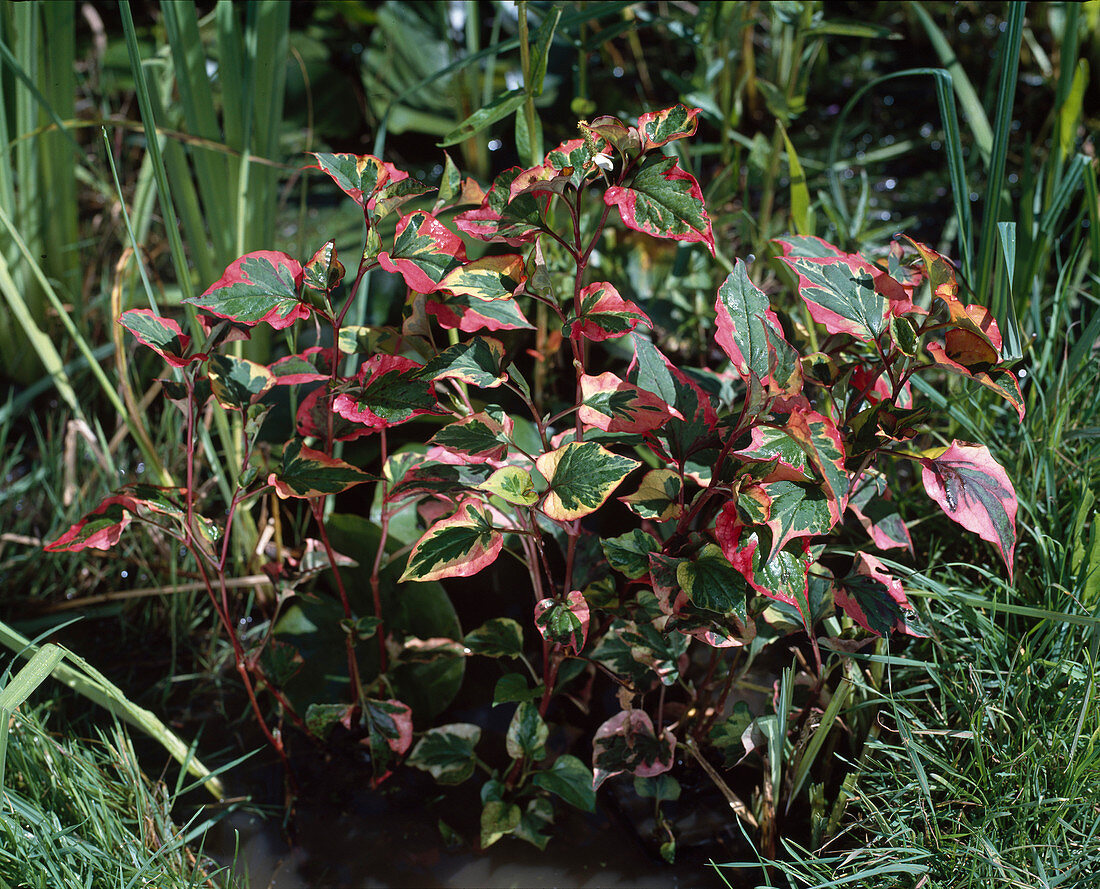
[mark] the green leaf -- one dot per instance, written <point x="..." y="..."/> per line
<point x="358" y="176"/>
<point x="488" y="278"/>
<point x="260" y="286"/>
<point x="478" y="362"/>
<point x="875" y="599"/>
<point x="308" y="473"/>
<point x="571" y="780"/>
<point x="238" y="382"/>
<point x="513" y="484"/>
<point x="564" y="622"/>
<point x="664" y="201"/>
<point x="726" y="735"/>
<point x="498" y="637"/>
<point x="483" y="436"/>
<point x="527" y="734"/>
<point x="581" y="476"/>
<point x="389" y="390"/>
<point x="457" y="546"/>
<point x="447" y="752"/>
<point x="711" y="582"/>
<point x="498" y="109"/>
<point x="796" y="511"/>
<point x="660" y="788"/>
<point x="539" y="815"/>
<point x="543" y="38"/>
<point x="324" y="271"/>
<point x="629" y="553"/>
<point x="512" y="687"/>
<point x="840" y="293"/>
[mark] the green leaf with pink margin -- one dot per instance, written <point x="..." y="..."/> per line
<point x="657" y="497"/>
<point x="238" y="383"/>
<point x="324" y="271"/>
<point x="469" y="314"/>
<point x="627" y="743"/>
<point x="388" y="391"/>
<point x="565" y="622"/>
<point x="581" y="476"/>
<point x="312" y="419"/>
<point x="821" y="440"/>
<point x="359" y="176"/>
<point x="768" y="443"/>
<point x="808" y="247"/>
<point x="875" y="599"/>
<point x="613" y="405"/>
<point x="162" y="335"/>
<point x="424" y="252"/>
<point x="974" y="490"/>
<point x="743" y="314"/>
<point x="457" y="546"/>
<point x="390" y="732"/>
<point x="870" y="503"/>
<point x="658" y="128"/>
<point x="513" y="221"/>
<point x="664" y="201"/>
<point x="712" y="582"/>
<point x="999" y="379"/>
<point x="490" y="277"/>
<point x="393" y="195"/>
<point x="478" y="362"/>
<point x="308" y="473"/>
<point x="797" y="511"/>
<point x="567" y="164"/>
<point x="99" y="529"/>
<point x="604" y="314"/>
<point x="260" y="286"/>
<point x="840" y="294"/>
<point x="312" y="365"/>
<point x="481" y="437"/>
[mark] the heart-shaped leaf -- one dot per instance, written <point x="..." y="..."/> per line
<point x="564" y="622"/>
<point x="581" y="476"/>
<point x="457" y="546"/>
<point x="260" y="286"/>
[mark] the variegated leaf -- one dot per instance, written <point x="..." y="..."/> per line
<point x="424" y="252"/>
<point x="711" y="582"/>
<point x="260" y="286"/>
<point x="796" y="511"/>
<point x="612" y="405"/>
<point x="657" y="497"/>
<point x="974" y="490"/>
<point x="457" y="546"/>
<point x="483" y="436"/>
<point x="238" y="383"/>
<point x="470" y="314"/>
<point x="840" y="293"/>
<point x="308" y="473"/>
<point x="564" y="622"/>
<point x="99" y="529"/>
<point x="490" y="277"/>
<point x="999" y="379"/>
<point x="324" y="271"/>
<point x="162" y="335"/>
<point x="604" y="314"/>
<point x="478" y="361"/>
<point x="389" y="391"/>
<point x="663" y="200"/>
<point x="871" y="504"/>
<point x="658" y="128"/>
<point x="627" y="742"/>
<point x="875" y="599"/>
<point x="581" y="476"/>
<point x="513" y="484"/>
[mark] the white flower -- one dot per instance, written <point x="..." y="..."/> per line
<point x="603" y="161"/>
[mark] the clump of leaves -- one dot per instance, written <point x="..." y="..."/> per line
<point x="739" y="478"/>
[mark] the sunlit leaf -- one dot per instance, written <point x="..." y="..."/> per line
<point x="875" y="599"/>
<point x="238" y="382"/>
<point x="711" y="582"/>
<point x="389" y="391"/>
<point x="260" y="286"/>
<point x="514" y="484"/>
<point x="870" y="503"/>
<point x="605" y="315"/>
<point x="658" y="128"/>
<point x="527" y="734"/>
<point x="457" y="546"/>
<point x="841" y="294"/>
<point x="657" y="497"/>
<point x="163" y="335"/>
<point x="309" y="473"/>
<point x="581" y="476"/>
<point x="490" y="277"/>
<point x="477" y="362"/>
<point x="424" y="252"/>
<point x="613" y="405"/>
<point x="663" y="200"/>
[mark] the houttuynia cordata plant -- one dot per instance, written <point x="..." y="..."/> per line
<point x="670" y="519"/>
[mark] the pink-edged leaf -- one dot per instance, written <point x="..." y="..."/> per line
<point x="478" y="362"/>
<point x="875" y="599"/>
<point x="974" y="490"/>
<point x="260" y="286"/>
<point x="627" y="742"/>
<point x="457" y="546"/>
<point x="389" y="391"/>
<point x="658" y="128"/>
<point x="469" y="314"/>
<point x="99" y="529"/>
<point x="480" y="437"/>
<point x="663" y="200"/>
<point x="840" y="293"/>
<point x="612" y="405"/>
<point x="581" y="476"/>
<point x="605" y="315"/>
<point x="308" y="473"/>
<point x="749" y="332"/>
<point x="821" y="440"/>
<point x="999" y="379"/>
<point x="312" y="419"/>
<point x="564" y="622"/>
<point x="491" y="277"/>
<point x="313" y="365"/>
<point x="870" y="503"/>
<point x="238" y="383"/>
<point x="807" y="247"/>
<point x="360" y="177"/>
<point x="162" y="335"/>
<point x="424" y="252"/>
<point x="324" y="271"/>
<point x="768" y="443"/>
<point x="390" y="733"/>
<point x="501" y="217"/>
<point x="796" y="511"/>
